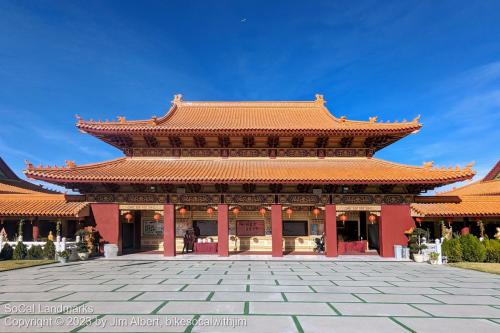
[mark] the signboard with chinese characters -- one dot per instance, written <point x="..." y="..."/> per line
<point x="152" y="228"/>
<point x="250" y="228"/>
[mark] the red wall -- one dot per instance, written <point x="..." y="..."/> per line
<point x="331" y="231"/>
<point x="169" y="230"/>
<point x="277" y="231"/>
<point x="394" y="220"/>
<point x="223" y="230"/>
<point x="107" y="223"/>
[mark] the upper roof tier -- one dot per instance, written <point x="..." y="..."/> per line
<point x="357" y="170"/>
<point x="288" y="118"/>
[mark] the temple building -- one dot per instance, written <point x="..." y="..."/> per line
<point x="254" y="177"/>
<point x="476" y="210"/>
<point x="40" y="210"/>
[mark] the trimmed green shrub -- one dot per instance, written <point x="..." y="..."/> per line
<point x="7" y="252"/>
<point x="20" y="251"/>
<point x="35" y="252"/>
<point x="472" y="249"/>
<point x="49" y="250"/>
<point x="492" y="247"/>
<point x="452" y="249"/>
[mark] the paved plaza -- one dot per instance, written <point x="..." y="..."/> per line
<point x="248" y="296"/>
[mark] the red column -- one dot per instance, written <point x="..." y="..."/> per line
<point x="169" y="230"/>
<point x="107" y="223"/>
<point x="35" y="231"/>
<point x="331" y="231"/>
<point x="277" y="230"/>
<point x="394" y="220"/>
<point x="223" y="230"/>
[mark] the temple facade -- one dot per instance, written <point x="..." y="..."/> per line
<point x="254" y="177"/>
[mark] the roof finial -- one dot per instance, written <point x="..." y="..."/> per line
<point x="29" y="165"/>
<point x="121" y="119"/>
<point x="428" y="165"/>
<point x="78" y="118"/>
<point x="70" y="164"/>
<point x="373" y="119"/>
<point x="468" y="166"/>
<point x="177" y="99"/>
<point x="320" y="100"/>
<point x="416" y="119"/>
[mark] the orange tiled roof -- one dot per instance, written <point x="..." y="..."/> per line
<point x="490" y="187"/>
<point x="299" y="117"/>
<point x="10" y="189"/>
<point x="259" y="170"/>
<point x="470" y="206"/>
<point x="37" y="205"/>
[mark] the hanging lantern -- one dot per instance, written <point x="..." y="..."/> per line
<point x="263" y="211"/>
<point x="128" y="217"/>
<point x="343" y="218"/>
<point x="210" y="211"/>
<point x="372" y="218"/>
<point x="182" y="211"/>
<point x="316" y="211"/>
<point x="236" y="211"/>
<point x="157" y="217"/>
<point x="289" y="212"/>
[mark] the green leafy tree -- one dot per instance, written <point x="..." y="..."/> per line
<point x="472" y="249"/>
<point x="20" y="251"/>
<point x="49" y="250"/>
<point x="7" y="252"/>
<point x="35" y="252"/>
<point x="452" y="249"/>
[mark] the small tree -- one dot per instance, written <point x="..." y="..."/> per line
<point x="49" y="250"/>
<point x="452" y="249"/>
<point x="415" y="242"/>
<point x="20" y="251"/>
<point x="35" y="252"/>
<point x="7" y="252"/>
<point x="472" y="249"/>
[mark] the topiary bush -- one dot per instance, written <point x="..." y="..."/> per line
<point x="49" y="250"/>
<point x="472" y="249"/>
<point x="7" y="252"/>
<point x="492" y="247"/>
<point x="20" y="251"/>
<point x="35" y="252"/>
<point x="452" y="249"/>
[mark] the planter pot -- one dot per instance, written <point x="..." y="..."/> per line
<point x="63" y="260"/>
<point x="83" y="255"/>
<point x="433" y="262"/>
<point x="418" y="257"/>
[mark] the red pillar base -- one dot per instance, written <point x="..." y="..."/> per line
<point x="223" y="230"/>
<point x="394" y="220"/>
<point x="331" y="231"/>
<point x="107" y="223"/>
<point x="277" y="231"/>
<point x="169" y="230"/>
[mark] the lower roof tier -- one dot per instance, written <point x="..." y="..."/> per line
<point x="472" y="206"/>
<point x="359" y="170"/>
<point x="40" y="205"/>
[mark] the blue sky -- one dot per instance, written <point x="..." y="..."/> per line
<point x="394" y="59"/>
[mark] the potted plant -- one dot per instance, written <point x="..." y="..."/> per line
<point x="433" y="258"/>
<point x="63" y="256"/>
<point x="83" y="251"/>
<point x="417" y="245"/>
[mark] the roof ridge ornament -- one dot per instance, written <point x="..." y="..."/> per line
<point x="428" y="165"/>
<point x="29" y="165"/>
<point x="122" y="119"/>
<point x="320" y="100"/>
<point x="177" y="99"/>
<point x="469" y="165"/>
<point x="70" y="164"/>
<point x="373" y="119"/>
<point x="416" y="119"/>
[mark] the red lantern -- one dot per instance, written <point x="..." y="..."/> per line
<point x="343" y="217"/>
<point x="182" y="211"/>
<point x="157" y="217"/>
<point x="316" y="211"/>
<point x="419" y="220"/>
<point x="128" y="217"/>
<point x="236" y="211"/>
<point x="289" y="212"/>
<point x="210" y="211"/>
<point x="263" y="211"/>
<point x="372" y="218"/>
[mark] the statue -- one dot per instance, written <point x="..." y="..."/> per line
<point x="497" y="235"/>
<point x="50" y="237"/>
<point x="4" y="237"/>
<point x="447" y="233"/>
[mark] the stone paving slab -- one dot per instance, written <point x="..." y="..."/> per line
<point x="173" y="295"/>
<point x="246" y="296"/>
<point x="396" y="298"/>
<point x="460" y="311"/>
<point x="462" y="299"/>
<point x="175" y="307"/>
<point x="433" y="325"/>
<point x="349" y="325"/>
<point x="373" y="309"/>
<point x="260" y="324"/>
<point x="291" y="308"/>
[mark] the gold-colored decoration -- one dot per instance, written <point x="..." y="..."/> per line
<point x="373" y="119"/>
<point x="428" y="165"/>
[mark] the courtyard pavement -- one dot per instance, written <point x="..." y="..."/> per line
<point x="248" y="296"/>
